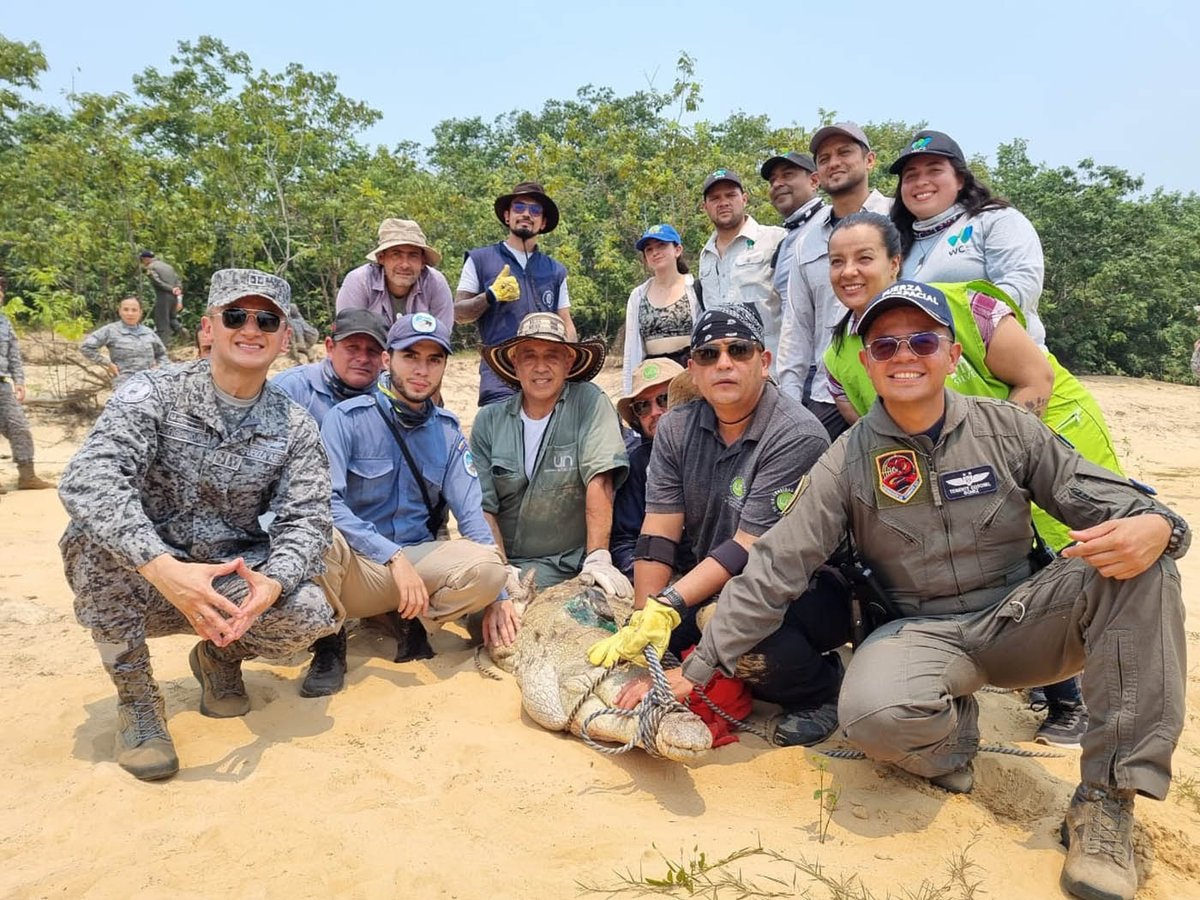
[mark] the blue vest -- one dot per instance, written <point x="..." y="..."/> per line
<point x="540" y="285"/>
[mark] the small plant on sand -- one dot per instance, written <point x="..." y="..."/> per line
<point x="826" y="797"/>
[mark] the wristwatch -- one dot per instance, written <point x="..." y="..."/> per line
<point x="1178" y="531"/>
<point x="674" y="599"/>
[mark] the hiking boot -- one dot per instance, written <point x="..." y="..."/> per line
<point x="27" y="481"/>
<point x="222" y="691"/>
<point x="143" y="746"/>
<point x="1098" y="835"/>
<point x="412" y="641"/>
<point x="327" y="674"/>
<point x="1065" y="724"/>
<point x="805" y="727"/>
<point x="958" y="781"/>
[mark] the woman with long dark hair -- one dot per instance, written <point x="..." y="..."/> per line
<point x="953" y="229"/>
<point x="660" y="311"/>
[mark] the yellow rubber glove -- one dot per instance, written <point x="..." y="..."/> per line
<point x="651" y="625"/>
<point x="505" y="288"/>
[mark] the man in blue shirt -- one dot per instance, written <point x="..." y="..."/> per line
<point x="388" y="507"/>
<point x="354" y="357"/>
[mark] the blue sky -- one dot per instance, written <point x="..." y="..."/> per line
<point x="1110" y="81"/>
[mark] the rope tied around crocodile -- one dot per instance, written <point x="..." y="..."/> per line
<point x="649" y="712"/>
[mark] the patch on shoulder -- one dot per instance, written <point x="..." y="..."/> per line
<point x="135" y="390"/>
<point x="469" y="464"/>
<point x="786" y="498"/>
<point x="968" y="482"/>
<point x="898" y="476"/>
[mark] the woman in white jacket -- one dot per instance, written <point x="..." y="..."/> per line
<point x="660" y="310"/>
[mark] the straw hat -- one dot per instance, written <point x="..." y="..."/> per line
<point x="549" y="327"/>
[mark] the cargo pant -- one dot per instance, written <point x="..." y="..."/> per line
<point x="123" y="608"/>
<point x="461" y="577"/>
<point x="907" y="697"/>
<point x="14" y="425"/>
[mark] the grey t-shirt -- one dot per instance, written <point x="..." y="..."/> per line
<point x="723" y="489"/>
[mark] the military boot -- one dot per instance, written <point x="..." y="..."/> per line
<point x="219" y="671"/>
<point x="1098" y="834"/>
<point x="412" y="641"/>
<point x="27" y="480"/>
<point x="327" y="674"/>
<point x="144" y="747"/>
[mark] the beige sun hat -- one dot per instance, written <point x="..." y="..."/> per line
<point x="394" y="232"/>
<point x="548" y="327"/>
<point x="658" y="370"/>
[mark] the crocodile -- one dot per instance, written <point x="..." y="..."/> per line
<point x="560" y="689"/>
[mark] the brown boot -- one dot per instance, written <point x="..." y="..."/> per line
<point x="1098" y="834"/>
<point x="222" y="691"/>
<point x="144" y="747"/>
<point x="27" y="481"/>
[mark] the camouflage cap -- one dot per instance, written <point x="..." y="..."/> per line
<point x="230" y="285"/>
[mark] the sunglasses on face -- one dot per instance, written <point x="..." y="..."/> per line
<point x="739" y="351"/>
<point x="233" y="319"/>
<point x="520" y="206"/>
<point x="923" y="343"/>
<point x="641" y="407"/>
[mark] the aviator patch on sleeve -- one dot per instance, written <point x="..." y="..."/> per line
<point x="899" y="477"/>
<point x="968" y="482"/>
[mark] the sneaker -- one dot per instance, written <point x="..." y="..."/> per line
<point x="958" y="781"/>
<point x="1098" y="834"/>
<point x="327" y="674"/>
<point x="805" y="727"/>
<point x="144" y="746"/>
<point x="222" y="691"/>
<point x="1065" y="724"/>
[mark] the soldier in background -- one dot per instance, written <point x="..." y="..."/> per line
<point x="166" y="497"/>
<point x="13" y="424"/>
<point x="168" y="295"/>
<point x="132" y="347"/>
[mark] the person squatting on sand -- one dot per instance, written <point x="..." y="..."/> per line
<point x="398" y="462"/>
<point x="935" y="489"/>
<point x="551" y="456"/>
<point x="722" y="470"/>
<point x="165" y="497"/>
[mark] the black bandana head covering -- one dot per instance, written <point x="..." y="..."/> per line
<point x="736" y="320"/>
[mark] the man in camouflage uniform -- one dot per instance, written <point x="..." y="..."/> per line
<point x="168" y="295"/>
<point x="132" y="347"/>
<point x="165" y="498"/>
<point x="13" y="424"/>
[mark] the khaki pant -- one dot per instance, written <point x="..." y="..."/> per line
<point x="907" y="694"/>
<point x="461" y="577"/>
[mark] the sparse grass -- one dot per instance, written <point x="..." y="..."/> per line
<point x="1185" y="790"/>
<point x="698" y="876"/>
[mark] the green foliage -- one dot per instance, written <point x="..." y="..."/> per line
<point x="212" y="162"/>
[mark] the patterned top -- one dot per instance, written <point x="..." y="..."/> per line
<point x="670" y="321"/>
<point x="10" y="353"/>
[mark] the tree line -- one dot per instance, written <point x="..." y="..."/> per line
<point x="214" y="163"/>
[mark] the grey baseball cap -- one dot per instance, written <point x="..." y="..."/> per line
<point x="802" y="160"/>
<point x="721" y="174"/>
<point x="358" y="321"/>
<point x="847" y="129"/>
<point x="230" y="285"/>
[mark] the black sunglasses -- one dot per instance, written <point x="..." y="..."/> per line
<point x="739" y="351"/>
<point x="923" y="343"/>
<point x="268" y="322"/>
<point x="641" y="407"/>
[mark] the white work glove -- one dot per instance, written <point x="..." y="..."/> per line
<point x="598" y="569"/>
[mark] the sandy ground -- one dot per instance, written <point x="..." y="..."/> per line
<point x="426" y="780"/>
